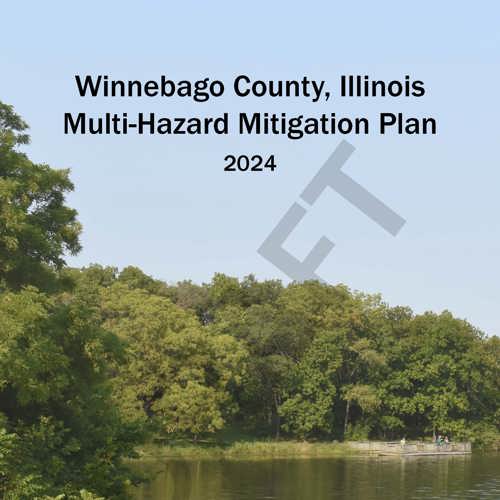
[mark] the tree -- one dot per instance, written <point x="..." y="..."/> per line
<point x="367" y="398"/>
<point x="133" y="277"/>
<point x="188" y="295"/>
<point x="191" y="408"/>
<point x="438" y="375"/>
<point x="309" y="407"/>
<point x="270" y="362"/>
<point x="59" y="433"/>
<point x="175" y="370"/>
<point x="37" y="228"/>
<point x="55" y="399"/>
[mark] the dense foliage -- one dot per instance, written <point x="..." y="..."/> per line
<point x="36" y="225"/>
<point x="308" y="360"/>
<point x="93" y="360"/>
<point x="59" y="431"/>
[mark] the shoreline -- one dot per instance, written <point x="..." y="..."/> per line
<point x="257" y="450"/>
<point x="242" y="450"/>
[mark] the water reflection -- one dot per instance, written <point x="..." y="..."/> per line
<point x="441" y="477"/>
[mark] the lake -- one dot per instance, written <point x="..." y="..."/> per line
<point x="475" y="476"/>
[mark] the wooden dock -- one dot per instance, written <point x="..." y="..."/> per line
<point x="410" y="449"/>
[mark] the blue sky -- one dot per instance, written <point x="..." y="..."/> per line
<point x="166" y="205"/>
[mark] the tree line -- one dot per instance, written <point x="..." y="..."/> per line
<point x="96" y="361"/>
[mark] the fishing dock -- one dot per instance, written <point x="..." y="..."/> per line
<point x="416" y="448"/>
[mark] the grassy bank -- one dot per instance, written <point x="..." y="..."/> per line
<point x="247" y="450"/>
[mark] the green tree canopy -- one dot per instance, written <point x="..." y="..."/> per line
<point x="175" y="369"/>
<point x="36" y="226"/>
<point x="63" y="434"/>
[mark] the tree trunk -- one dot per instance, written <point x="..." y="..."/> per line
<point x="346" y="420"/>
<point x="278" y="418"/>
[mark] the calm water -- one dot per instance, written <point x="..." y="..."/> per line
<point x="385" y="478"/>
